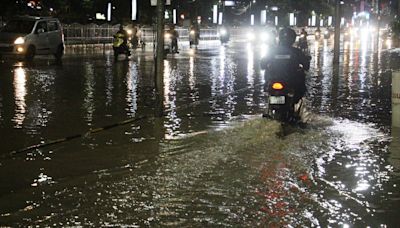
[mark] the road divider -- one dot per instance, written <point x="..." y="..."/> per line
<point x="68" y="138"/>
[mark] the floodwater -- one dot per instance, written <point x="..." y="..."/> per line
<point x="211" y="160"/>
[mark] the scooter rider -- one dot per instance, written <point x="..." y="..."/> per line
<point x="304" y="32"/>
<point x="174" y="39"/>
<point x="224" y="34"/>
<point x="287" y="63"/>
<point x="303" y="45"/>
<point x="194" y="34"/>
<point x="122" y="39"/>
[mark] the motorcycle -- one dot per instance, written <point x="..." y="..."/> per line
<point x="171" y="43"/>
<point x="327" y="34"/>
<point x="317" y="35"/>
<point x="193" y="37"/>
<point x="303" y="44"/>
<point x="223" y="36"/>
<point x="119" y="46"/>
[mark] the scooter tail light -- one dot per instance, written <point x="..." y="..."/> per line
<point x="277" y="86"/>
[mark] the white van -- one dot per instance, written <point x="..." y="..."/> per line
<point x="29" y="36"/>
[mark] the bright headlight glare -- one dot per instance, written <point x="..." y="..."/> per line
<point x="167" y="36"/>
<point x="129" y="32"/>
<point x="264" y="36"/>
<point x="250" y="36"/>
<point x="19" y="40"/>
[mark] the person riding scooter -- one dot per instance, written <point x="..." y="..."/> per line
<point x="303" y="44"/>
<point x="194" y="35"/>
<point x="317" y="34"/>
<point x="223" y="34"/>
<point x="171" y="40"/>
<point x="287" y="64"/>
<point x="120" y="44"/>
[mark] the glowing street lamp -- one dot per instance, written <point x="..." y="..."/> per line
<point x="109" y="11"/>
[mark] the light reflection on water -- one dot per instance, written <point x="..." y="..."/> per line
<point x="20" y="93"/>
<point x="222" y="103"/>
<point x="172" y="123"/>
<point x="353" y="171"/>
<point x="131" y="94"/>
<point x="89" y="90"/>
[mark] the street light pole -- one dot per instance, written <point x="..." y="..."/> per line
<point x="159" y="68"/>
<point x="337" y="33"/>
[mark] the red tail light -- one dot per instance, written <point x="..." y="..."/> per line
<point x="277" y="86"/>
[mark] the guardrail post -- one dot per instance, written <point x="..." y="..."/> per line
<point x="396" y="99"/>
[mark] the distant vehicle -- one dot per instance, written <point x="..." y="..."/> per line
<point x="119" y="47"/>
<point x="28" y="36"/>
<point x="317" y="34"/>
<point x="327" y="34"/>
<point x="224" y="35"/>
<point x="303" y="43"/>
<point x="261" y="35"/>
<point x="194" y="36"/>
<point x="170" y="43"/>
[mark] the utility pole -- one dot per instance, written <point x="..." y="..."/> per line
<point x="338" y="17"/>
<point x="159" y="63"/>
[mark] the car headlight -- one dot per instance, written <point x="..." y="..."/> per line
<point x="19" y="40"/>
<point x="250" y="36"/>
<point x="264" y="36"/>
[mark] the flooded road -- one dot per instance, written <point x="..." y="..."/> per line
<point x="212" y="160"/>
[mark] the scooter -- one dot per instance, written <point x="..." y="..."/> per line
<point x="120" y="47"/>
<point x="171" y="43"/>
<point x="303" y="44"/>
<point x="193" y="38"/>
<point x="317" y="35"/>
<point x="281" y="106"/>
<point x="223" y="36"/>
<point x="327" y="34"/>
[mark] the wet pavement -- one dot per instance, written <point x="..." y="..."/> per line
<point x="212" y="160"/>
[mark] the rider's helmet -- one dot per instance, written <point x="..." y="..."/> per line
<point x="287" y="37"/>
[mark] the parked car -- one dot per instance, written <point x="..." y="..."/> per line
<point x="29" y="36"/>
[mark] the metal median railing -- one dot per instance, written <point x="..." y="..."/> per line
<point x="102" y="34"/>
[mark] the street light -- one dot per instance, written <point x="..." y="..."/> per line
<point x="109" y="11"/>
<point x="215" y="14"/>
<point x="134" y="10"/>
